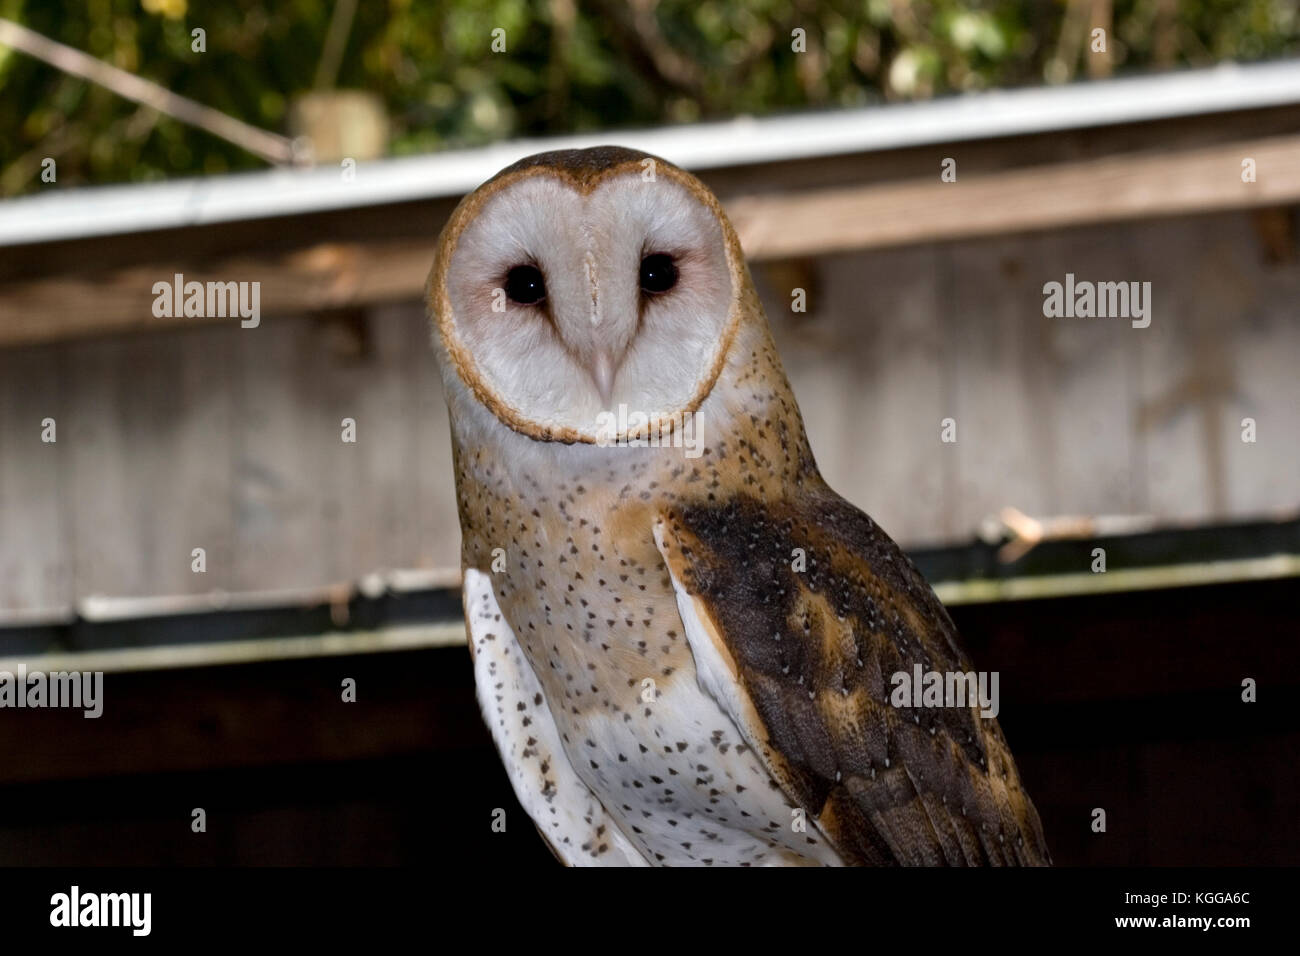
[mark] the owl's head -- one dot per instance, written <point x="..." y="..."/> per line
<point x="577" y="281"/>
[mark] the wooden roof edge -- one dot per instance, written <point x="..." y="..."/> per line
<point x="126" y="209"/>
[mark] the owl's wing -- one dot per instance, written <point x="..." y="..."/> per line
<point x="567" y="814"/>
<point x="798" y="614"/>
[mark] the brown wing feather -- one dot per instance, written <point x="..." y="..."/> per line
<point x="813" y="651"/>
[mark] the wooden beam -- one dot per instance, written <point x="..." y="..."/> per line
<point x="1121" y="187"/>
<point x="771" y="225"/>
<point x="316" y="278"/>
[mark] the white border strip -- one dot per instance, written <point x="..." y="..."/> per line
<point x="173" y="656"/>
<point x="1030" y="587"/>
<point x="116" y="210"/>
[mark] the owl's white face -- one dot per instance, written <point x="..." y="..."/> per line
<point x="567" y="303"/>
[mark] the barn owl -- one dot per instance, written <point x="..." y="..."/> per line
<point x="685" y="651"/>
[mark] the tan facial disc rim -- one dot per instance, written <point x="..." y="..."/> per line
<point x="583" y="184"/>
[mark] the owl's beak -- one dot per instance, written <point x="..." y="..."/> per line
<point x="603" y="368"/>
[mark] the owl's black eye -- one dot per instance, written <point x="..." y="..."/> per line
<point x="525" y="285"/>
<point x="658" y="274"/>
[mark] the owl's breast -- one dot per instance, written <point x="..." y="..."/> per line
<point x="577" y="575"/>
<point x="585" y="591"/>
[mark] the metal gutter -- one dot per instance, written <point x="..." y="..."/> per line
<point x="744" y="141"/>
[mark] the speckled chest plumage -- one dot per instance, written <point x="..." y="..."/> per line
<point x="578" y="576"/>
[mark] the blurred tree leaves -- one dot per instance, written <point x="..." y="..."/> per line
<point x="569" y="65"/>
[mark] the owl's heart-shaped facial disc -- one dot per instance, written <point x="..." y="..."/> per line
<point x="581" y="287"/>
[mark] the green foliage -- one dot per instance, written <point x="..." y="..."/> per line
<point x="570" y="65"/>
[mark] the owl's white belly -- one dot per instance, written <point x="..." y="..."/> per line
<point x="667" y="771"/>
<point x="684" y="786"/>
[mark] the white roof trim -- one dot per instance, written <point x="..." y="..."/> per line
<point x="115" y="210"/>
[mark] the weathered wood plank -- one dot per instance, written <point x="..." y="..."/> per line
<point x="772" y="225"/>
<point x="370" y="479"/>
<point x="1264" y="476"/>
<point x="865" y="362"/>
<point x="106" y="506"/>
<point x="149" y="446"/>
<point x="35" y="556"/>
<point x="1186" y="374"/>
<point x="315" y="277"/>
<point x="996" y="333"/>
<point x="1158" y="183"/>
<point x="436" y="522"/>
<point x="1085" y="374"/>
<point x="176" y="430"/>
<point x="283" y="512"/>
